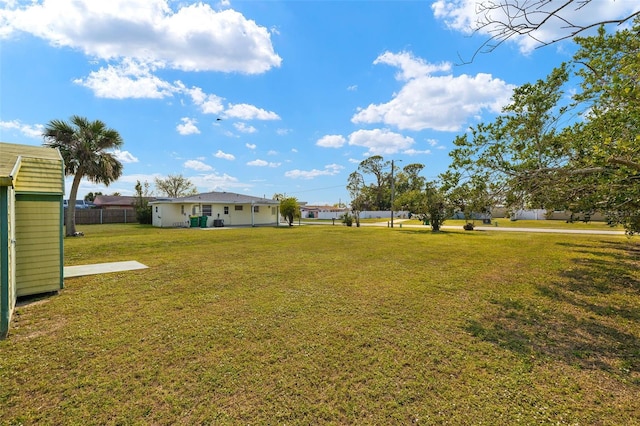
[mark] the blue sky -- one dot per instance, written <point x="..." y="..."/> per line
<point x="264" y="97"/>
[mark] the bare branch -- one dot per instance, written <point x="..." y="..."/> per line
<point x="525" y="17"/>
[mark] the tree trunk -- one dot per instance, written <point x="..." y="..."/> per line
<point x="70" y="219"/>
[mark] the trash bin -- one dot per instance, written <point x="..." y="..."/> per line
<point x="203" y="221"/>
<point x="426" y="221"/>
<point x="194" y="221"/>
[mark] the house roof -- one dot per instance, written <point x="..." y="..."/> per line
<point x="117" y="200"/>
<point x="219" y="198"/>
<point x="9" y="153"/>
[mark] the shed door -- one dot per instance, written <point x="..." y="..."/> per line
<point x="39" y="262"/>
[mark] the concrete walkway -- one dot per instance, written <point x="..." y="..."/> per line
<point x="101" y="268"/>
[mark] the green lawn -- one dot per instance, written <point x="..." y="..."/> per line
<point x="332" y="325"/>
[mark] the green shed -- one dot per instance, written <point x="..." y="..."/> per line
<point x="31" y="224"/>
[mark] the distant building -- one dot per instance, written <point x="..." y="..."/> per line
<point x="321" y="212"/>
<point x="107" y="202"/>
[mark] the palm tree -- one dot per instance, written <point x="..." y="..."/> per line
<point x="83" y="145"/>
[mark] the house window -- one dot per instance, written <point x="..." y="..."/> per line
<point x="206" y="210"/>
<point x="238" y="208"/>
<point x="226" y="209"/>
<point x="256" y="209"/>
<point x="194" y="210"/>
<point x="273" y="210"/>
<point x="181" y="209"/>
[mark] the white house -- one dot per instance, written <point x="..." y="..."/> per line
<point x="321" y="212"/>
<point x="214" y="209"/>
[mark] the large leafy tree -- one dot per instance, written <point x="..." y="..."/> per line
<point x="86" y="147"/>
<point x="175" y="186"/>
<point x="580" y="153"/>
<point x="378" y="193"/>
<point x="471" y="197"/>
<point x="409" y="178"/>
<point x="607" y="141"/>
<point x="520" y="152"/>
<point x="408" y="186"/>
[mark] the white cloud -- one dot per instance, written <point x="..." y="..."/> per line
<point x="129" y="79"/>
<point x="262" y="163"/>
<point x="250" y="145"/>
<point x="468" y="16"/>
<point x="197" y="165"/>
<point x="249" y="112"/>
<point x="188" y="126"/>
<point x="329" y="170"/>
<point x="242" y="127"/>
<point x="442" y="103"/>
<point x="192" y="38"/>
<point x="224" y="156"/>
<point x="125" y="156"/>
<point x="380" y="141"/>
<point x="29" y="130"/>
<point x="410" y="66"/>
<point x="331" y="141"/>
<point x="208" y="103"/>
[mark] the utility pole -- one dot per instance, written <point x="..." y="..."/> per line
<point x="392" y="192"/>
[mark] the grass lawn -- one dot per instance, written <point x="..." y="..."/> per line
<point x="332" y="325"/>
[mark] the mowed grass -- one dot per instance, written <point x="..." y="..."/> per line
<point x="332" y="325"/>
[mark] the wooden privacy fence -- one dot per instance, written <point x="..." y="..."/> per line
<point x="100" y="216"/>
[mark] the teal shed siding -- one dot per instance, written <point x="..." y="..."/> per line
<point x="31" y="225"/>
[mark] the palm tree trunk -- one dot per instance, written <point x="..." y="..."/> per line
<point x="70" y="219"/>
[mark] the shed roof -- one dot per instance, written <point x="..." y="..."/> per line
<point x="219" y="198"/>
<point x="9" y="153"/>
<point x="10" y="164"/>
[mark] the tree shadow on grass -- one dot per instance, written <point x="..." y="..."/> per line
<point x="587" y="317"/>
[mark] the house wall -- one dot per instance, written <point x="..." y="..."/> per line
<point x="39" y="252"/>
<point x="266" y="215"/>
<point x="170" y="215"/>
